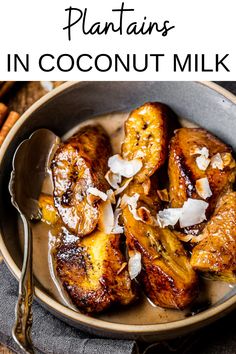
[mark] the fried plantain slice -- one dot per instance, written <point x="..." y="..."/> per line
<point x="167" y="277"/>
<point x="93" y="271"/>
<point x="184" y="171"/>
<point x="146" y="137"/>
<point x="80" y="163"/>
<point x="216" y="253"/>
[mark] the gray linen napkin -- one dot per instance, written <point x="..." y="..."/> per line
<point x="49" y="334"/>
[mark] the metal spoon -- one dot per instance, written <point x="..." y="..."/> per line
<point x="29" y="171"/>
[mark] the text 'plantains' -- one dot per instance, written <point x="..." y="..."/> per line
<point x="79" y="19"/>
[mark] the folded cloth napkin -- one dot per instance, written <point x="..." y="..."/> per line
<point x="52" y="336"/>
<point x="49" y="334"/>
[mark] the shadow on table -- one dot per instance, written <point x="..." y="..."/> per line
<point x="218" y="338"/>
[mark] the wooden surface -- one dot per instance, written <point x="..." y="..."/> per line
<point x="4" y="350"/>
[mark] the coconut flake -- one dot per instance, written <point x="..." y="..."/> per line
<point x="106" y="220"/>
<point x="217" y="162"/>
<point x="183" y="237"/>
<point x="97" y="193"/>
<point x="201" y="151"/>
<point x="126" y="168"/>
<point x="198" y="238"/>
<point x="203" y="188"/>
<point x="122" y="188"/>
<point x="111" y="196"/>
<point x="109" y="220"/>
<point x="132" y="204"/>
<point x="118" y="202"/>
<point x="169" y="217"/>
<point x="192" y="238"/>
<point x="202" y="162"/>
<point x="145" y="216"/>
<point x="193" y="212"/>
<point x="163" y="194"/>
<point x="141" y="213"/>
<point x="134" y="265"/>
<point x="47" y="85"/>
<point x="117" y="229"/>
<point x="130" y="201"/>
<point x="123" y="266"/>
<point x="113" y="179"/>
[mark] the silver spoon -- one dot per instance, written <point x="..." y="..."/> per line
<point x="30" y="163"/>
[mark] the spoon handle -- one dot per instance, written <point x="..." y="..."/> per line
<point x="23" y="321"/>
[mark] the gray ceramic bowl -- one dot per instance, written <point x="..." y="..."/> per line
<point x="203" y="103"/>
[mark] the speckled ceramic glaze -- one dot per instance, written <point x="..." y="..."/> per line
<point x="205" y="104"/>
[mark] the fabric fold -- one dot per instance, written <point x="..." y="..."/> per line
<point x="49" y="334"/>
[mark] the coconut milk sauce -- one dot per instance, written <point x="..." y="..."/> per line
<point x="143" y="312"/>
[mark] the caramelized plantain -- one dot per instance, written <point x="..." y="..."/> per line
<point x="184" y="172"/>
<point x="167" y="276"/>
<point x="216" y="253"/>
<point x="80" y="163"/>
<point x="146" y="137"/>
<point x="148" y="196"/>
<point x="93" y="271"/>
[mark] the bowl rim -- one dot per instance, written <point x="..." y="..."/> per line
<point x="199" y="320"/>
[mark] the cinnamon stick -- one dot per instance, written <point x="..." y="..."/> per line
<point x="5" y="87"/>
<point x="57" y="83"/>
<point x="9" y="123"/>
<point x="3" y="113"/>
